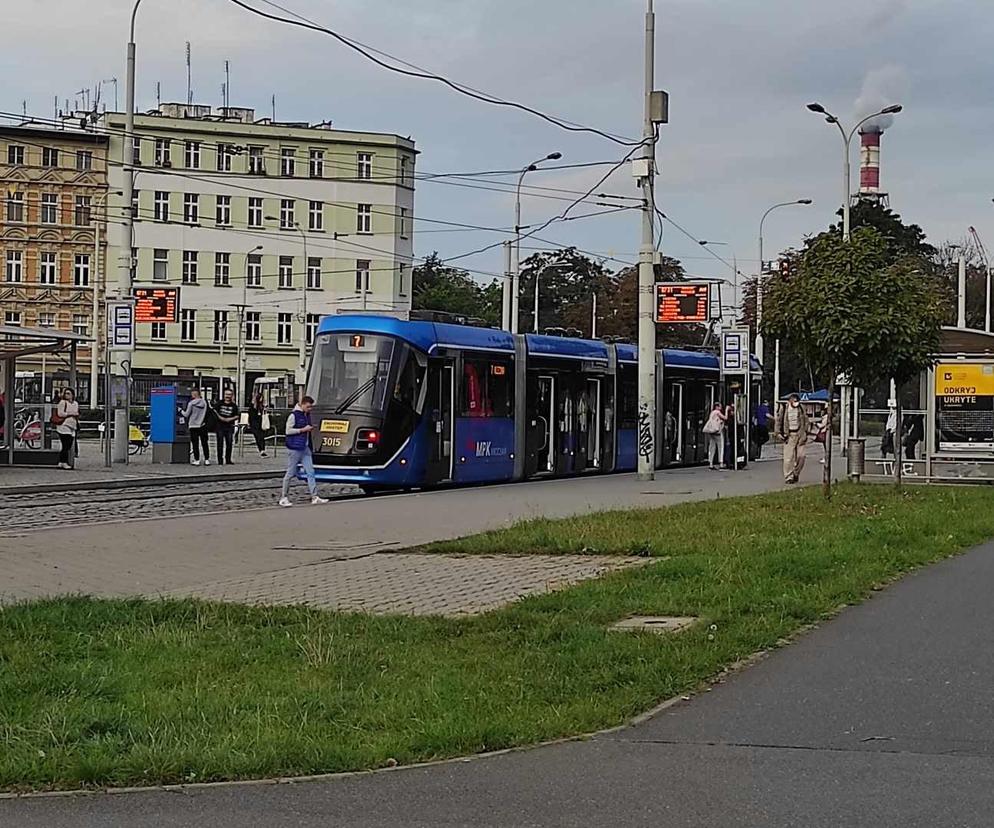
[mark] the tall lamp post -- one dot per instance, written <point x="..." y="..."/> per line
<point x="846" y="145"/>
<point x="516" y="273"/>
<point x="759" y="300"/>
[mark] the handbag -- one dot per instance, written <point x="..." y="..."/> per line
<point x="821" y="436"/>
<point x="55" y="419"/>
<point x="266" y="424"/>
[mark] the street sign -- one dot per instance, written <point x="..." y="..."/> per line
<point x="120" y="326"/>
<point x="735" y="351"/>
<point x="679" y="302"/>
<point x="156" y="304"/>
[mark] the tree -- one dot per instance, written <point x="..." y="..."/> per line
<point x="900" y="239"/>
<point x="567" y="280"/>
<point x="851" y="309"/>
<point x="436" y="286"/>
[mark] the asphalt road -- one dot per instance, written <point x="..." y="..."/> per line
<point x="883" y="717"/>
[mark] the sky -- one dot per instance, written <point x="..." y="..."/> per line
<point x="738" y="72"/>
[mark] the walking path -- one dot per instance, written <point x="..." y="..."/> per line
<point x="881" y="717"/>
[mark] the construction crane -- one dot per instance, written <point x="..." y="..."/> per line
<point x="987" y="276"/>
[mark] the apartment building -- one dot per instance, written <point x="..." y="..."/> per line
<point x="252" y="220"/>
<point x="54" y="188"/>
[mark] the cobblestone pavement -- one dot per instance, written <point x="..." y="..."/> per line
<point x="412" y="584"/>
<point x="21" y="513"/>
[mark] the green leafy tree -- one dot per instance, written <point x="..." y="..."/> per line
<point x="851" y="308"/>
<point x="567" y="280"/>
<point x="437" y="286"/>
<point x="618" y="312"/>
<point x="900" y="239"/>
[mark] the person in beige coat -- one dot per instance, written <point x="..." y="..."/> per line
<point x="792" y="427"/>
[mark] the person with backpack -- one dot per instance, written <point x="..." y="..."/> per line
<point x="298" y="450"/>
<point x="195" y="415"/>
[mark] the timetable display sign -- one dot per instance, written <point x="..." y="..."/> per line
<point x="678" y="302"/>
<point x="156" y="304"/>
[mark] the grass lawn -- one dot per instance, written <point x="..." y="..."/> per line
<point x="97" y="692"/>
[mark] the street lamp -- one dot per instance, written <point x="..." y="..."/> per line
<point x="303" y="301"/>
<point x="846" y="143"/>
<point x="759" y="299"/>
<point x="516" y="275"/>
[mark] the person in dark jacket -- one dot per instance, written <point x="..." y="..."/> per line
<point x="256" y="413"/>
<point x="298" y="451"/>
<point x="227" y="416"/>
<point x="914" y="433"/>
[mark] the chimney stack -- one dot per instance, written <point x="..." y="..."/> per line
<point x="869" y="162"/>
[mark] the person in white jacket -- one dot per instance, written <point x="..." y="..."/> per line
<point x="67" y="419"/>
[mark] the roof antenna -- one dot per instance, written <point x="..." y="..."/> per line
<point x="274" y="107"/>
<point x="227" y="86"/>
<point x="158" y="95"/>
<point x="189" y="77"/>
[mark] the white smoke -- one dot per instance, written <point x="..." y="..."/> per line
<point x="882" y="87"/>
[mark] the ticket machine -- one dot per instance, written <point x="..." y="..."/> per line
<point x="170" y="434"/>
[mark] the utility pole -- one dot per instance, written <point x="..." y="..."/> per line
<point x="508" y="284"/>
<point x="647" y="325"/>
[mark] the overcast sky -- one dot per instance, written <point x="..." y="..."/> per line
<point x="739" y="73"/>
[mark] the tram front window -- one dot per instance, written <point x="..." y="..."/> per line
<point x="361" y="373"/>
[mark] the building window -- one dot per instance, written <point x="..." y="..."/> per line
<point x="192" y="155"/>
<point x="80" y="324"/>
<point x="362" y="275"/>
<point x="313" y="273"/>
<point x="487" y="389"/>
<point x="134" y="263"/>
<point x="160" y="206"/>
<point x="364" y="165"/>
<point x="158" y="331"/>
<point x="404" y="171"/>
<point x="284" y="329"/>
<point x="288" y="161"/>
<point x="257" y="161"/>
<point x="188" y="325"/>
<point x="81" y="270"/>
<point x="224" y="155"/>
<point x="12" y="318"/>
<point x="223" y="213"/>
<point x="49" y="157"/>
<point x="312" y="327"/>
<point x="220" y="327"/>
<point x="14" y="270"/>
<point x="82" y="214"/>
<point x="255" y="213"/>
<point x="189" y="267"/>
<point x="48" y="268"/>
<point x="46" y="319"/>
<point x="134" y="204"/>
<point x="253" y="270"/>
<point x="286" y="214"/>
<point x="402" y="215"/>
<point x="222" y="269"/>
<point x="160" y="265"/>
<point x="286" y="272"/>
<point x="402" y="277"/>
<point x="253" y="326"/>
<point x="162" y="152"/>
<point x="15" y="207"/>
<point x="15" y="154"/>
<point x="84" y="160"/>
<point x="49" y="208"/>
<point x="315" y="215"/>
<point x="364" y="218"/>
<point x="191" y="208"/>
<point x="136" y="150"/>
<point x="317" y="163"/>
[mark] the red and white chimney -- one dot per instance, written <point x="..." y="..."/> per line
<point x="869" y="161"/>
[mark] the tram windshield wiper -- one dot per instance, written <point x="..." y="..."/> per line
<point x="351" y="398"/>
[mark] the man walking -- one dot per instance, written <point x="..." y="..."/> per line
<point x="227" y="416"/>
<point x="792" y="426"/>
<point x="298" y="449"/>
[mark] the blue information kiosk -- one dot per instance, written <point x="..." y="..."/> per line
<point x="170" y="435"/>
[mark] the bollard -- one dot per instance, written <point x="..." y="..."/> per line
<point x="856" y="459"/>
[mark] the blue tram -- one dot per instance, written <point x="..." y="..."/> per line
<point x="403" y="404"/>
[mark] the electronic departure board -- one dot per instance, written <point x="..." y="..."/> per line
<point x="683" y="302"/>
<point x="156" y="304"/>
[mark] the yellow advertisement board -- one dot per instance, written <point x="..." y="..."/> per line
<point x="964" y="406"/>
<point x="959" y="379"/>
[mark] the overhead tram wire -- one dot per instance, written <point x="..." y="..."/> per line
<point x="423" y="74"/>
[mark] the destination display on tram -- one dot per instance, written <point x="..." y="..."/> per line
<point x="683" y="302"/>
<point x="156" y="304"/>
<point x="964" y="406"/>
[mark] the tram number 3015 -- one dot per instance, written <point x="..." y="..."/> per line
<point x="331" y="442"/>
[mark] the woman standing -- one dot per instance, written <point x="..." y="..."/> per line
<point x="67" y="419"/>
<point x="256" y="418"/>
<point x="713" y="439"/>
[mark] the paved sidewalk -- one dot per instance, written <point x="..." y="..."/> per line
<point x="90" y="468"/>
<point x="882" y="717"/>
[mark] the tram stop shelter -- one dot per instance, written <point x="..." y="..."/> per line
<point x="26" y="435"/>
<point x="949" y="411"/>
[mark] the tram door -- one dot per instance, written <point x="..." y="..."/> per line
<point x="590" y="422"/>
<point x="673" y="424"/>
<point x="440" y="405"/>
<point x="546" y="425"/>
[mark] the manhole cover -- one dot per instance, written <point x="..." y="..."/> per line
<point x="655" y="623"/>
